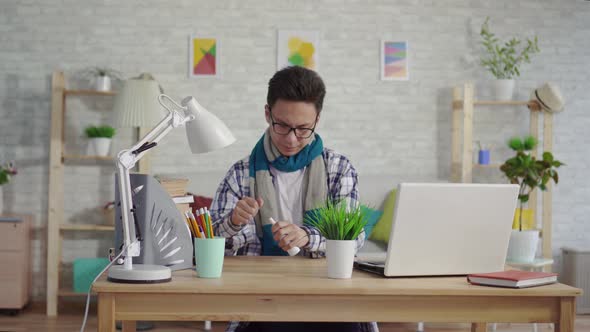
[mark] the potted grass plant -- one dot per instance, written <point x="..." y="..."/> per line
<point x="503" y="59"/>
<point x="99" y="140"/>
<point x="529" y="173"/>
<point x="341" y="226"/>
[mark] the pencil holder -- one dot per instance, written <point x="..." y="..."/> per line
<point x="484" y="157"/>
<point x="209" y="257"/>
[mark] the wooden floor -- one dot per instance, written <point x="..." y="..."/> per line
<point x="33" y="319"/>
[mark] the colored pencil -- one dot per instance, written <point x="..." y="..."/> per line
<point x="195" y="225"/>
<point x="208" y="216"/>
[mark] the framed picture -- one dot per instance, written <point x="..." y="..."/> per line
<point x="394" y="61"/>
<point x="297" y="48"/>
<point x="203" y="56"/>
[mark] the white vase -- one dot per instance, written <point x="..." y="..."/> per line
<point x="340" y="258"/>
<point x="98" y="146"/>
<point x="523" y="246"/>
<point x="503" y="89"/>
<point x="102" y="83"/>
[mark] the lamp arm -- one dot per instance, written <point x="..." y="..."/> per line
<point x="126" y="160"/>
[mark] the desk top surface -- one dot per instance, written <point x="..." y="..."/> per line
<point x="304" y="276"/>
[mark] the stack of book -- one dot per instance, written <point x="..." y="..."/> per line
<point x="176" y="188"/>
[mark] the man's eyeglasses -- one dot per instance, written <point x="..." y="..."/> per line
<point x="284" y="130"/>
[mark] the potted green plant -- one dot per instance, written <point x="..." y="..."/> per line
<point x="99" y="141"/>
<point x="101" y="77"/>
<point x="6" y="172"/>
<point x="340" y="225"/>
<point x="529" y="173"/>
<point x="503" y="59"/>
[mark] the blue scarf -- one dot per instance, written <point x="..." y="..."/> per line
<point x="315" y="187"/>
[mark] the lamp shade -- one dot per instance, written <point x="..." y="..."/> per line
<point x="137" y="104"/>
<point x="206" y="132"/>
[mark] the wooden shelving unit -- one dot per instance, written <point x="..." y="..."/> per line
<point x="462" y="165"/>
<point x="58" y="160"/>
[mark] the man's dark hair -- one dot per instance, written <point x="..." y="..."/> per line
<point x="296" y="84"/>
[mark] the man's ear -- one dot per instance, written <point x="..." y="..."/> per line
<point x="267" y="114"/>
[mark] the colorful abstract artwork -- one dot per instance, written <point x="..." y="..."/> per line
<point x="297" y="48"/>
<point x="204" y="57"/>
<point x="394" y="60"/>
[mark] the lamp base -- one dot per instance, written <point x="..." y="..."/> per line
<point x="140" y="274"/>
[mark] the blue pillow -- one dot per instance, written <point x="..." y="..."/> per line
<point x="373" y="217"/>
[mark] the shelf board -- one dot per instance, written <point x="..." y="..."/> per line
<point x="487" y="166"/>
<point x="75" y="157"/>
<point x="89" y="93"/>
<point x="70" y="293"/>
<point x="501" y="102"/>
<point x="86" y="227"/>
<point x="533" y="105"/>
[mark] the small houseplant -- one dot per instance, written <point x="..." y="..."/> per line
<point x="528" y="173"/>
<point x="6" y="172"/>
<point x="503" y="59"/>
<point x="340" y="225"/>
<point x="99" y="140"/>
<point x="101" y="77"/>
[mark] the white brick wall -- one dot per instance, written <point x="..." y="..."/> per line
<point x="399" y="129"/>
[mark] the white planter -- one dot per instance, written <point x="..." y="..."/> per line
<point x="102" y="83"/>
<point x="340" y="258"/>
<point x="503" y="89"/>
<point x="98" y="146"/>
<point x="1" y="201"/>
<point x="523" y="246"/>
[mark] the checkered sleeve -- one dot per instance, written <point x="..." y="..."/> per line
<point x="233" y="187"/>
<point x="342" y="185"/>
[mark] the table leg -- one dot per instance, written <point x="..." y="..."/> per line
<point x="106" y="312"/>
<point x="479" y="327"/>
<point x="128" y="326"/>
<point x="566" y="315"/>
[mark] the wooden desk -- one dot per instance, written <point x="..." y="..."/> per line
<point x="297" y="289"/>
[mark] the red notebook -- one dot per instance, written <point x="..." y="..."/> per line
<point x="512" y="279"/>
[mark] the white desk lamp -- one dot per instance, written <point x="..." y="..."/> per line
<point x="205" y="132"/>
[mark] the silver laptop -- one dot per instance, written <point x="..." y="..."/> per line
<point x="448" y="229"/>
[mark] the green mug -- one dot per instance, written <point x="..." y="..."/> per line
<point x="209" y="257"/>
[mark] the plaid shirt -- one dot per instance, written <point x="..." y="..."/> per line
<point x="342" y="185"/>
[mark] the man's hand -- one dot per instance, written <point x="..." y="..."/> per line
<point x="245" y="210"/>
<point x="289" y="235"/>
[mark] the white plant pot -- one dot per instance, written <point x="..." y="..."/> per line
<point x="98" y="146"/>
<point x="102" y="83"/>
<point x="523" y="246"/>
<point x="503" y="89"/>
<point x="1" y="201"/>
<point x="340" y="258"/>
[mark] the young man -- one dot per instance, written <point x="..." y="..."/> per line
<point x="288" y="173"/>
